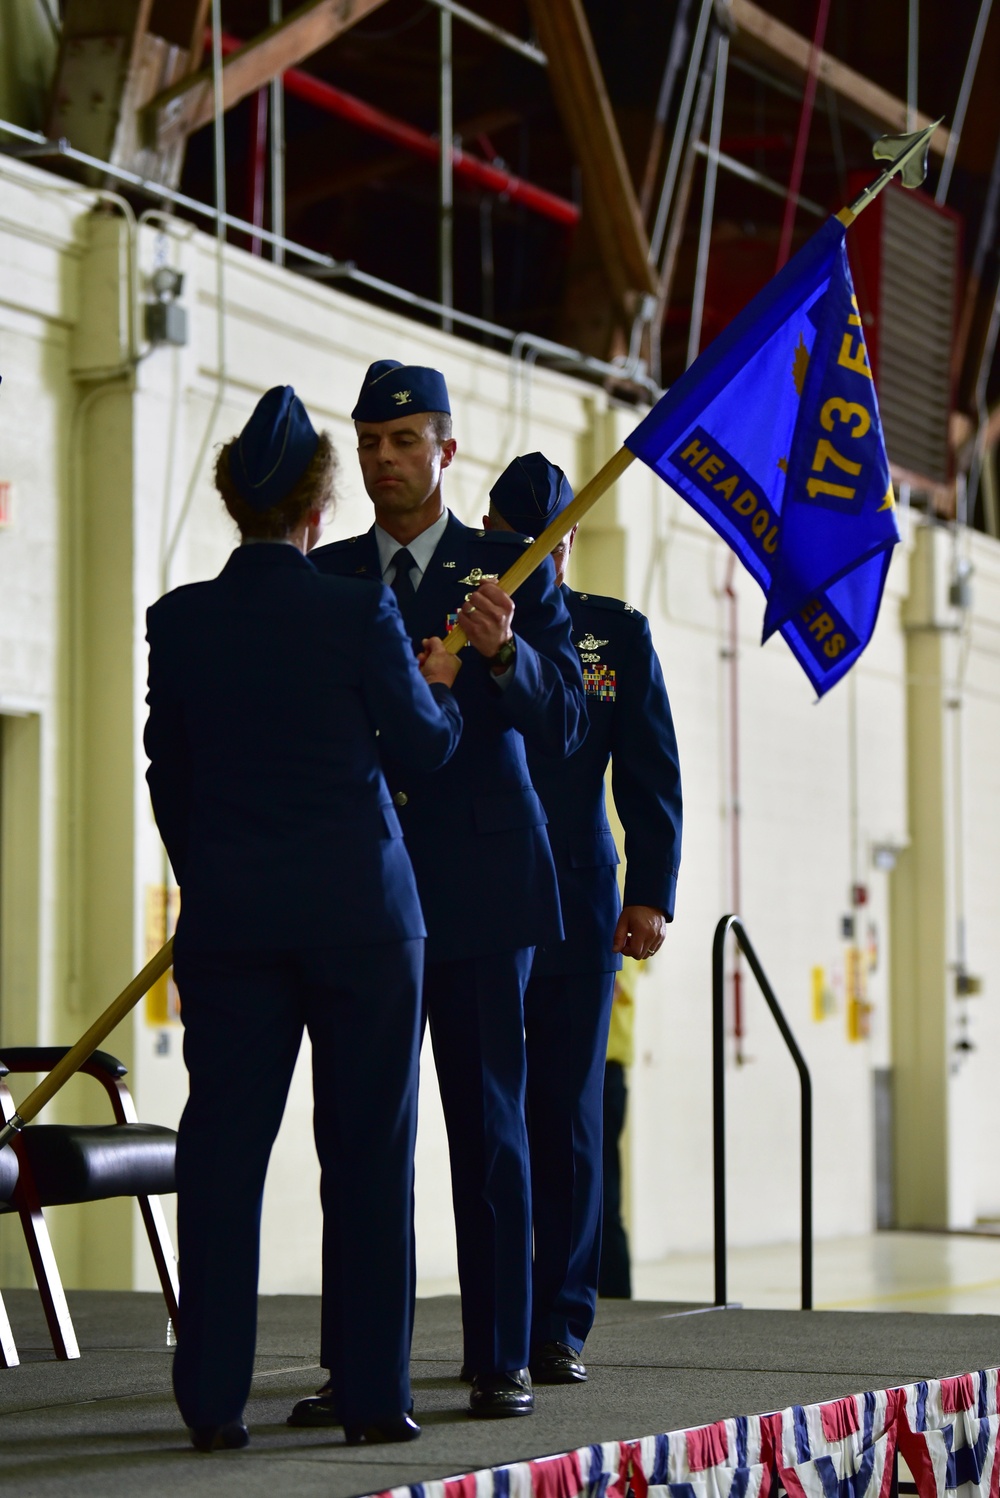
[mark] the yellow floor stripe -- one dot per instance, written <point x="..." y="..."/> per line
<point x="940" y="1293"/>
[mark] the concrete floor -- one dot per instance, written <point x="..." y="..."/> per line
<point x="951" y="1273"/>
<point x="106" y="1424"/>
<point x="956" y="1274"/>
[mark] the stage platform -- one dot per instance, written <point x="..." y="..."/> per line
<point x="106" y="1424"/>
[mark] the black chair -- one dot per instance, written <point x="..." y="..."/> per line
<point x="8" y="1182"/>
<point x="62" y="1163"/>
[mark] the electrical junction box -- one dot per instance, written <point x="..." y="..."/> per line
<point x="166" y="322"/>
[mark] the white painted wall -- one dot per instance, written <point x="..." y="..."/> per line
<point x="796" y="878"/>
<point x="795" y="756"/>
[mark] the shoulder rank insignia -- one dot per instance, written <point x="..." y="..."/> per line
<point x="628" y="608"/>
<point x="588" y="647"/>
<point x="477" y="576"/>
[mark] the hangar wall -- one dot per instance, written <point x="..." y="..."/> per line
<point x="110" y="462"/>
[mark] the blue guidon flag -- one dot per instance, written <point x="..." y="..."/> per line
<point x="774" y="436"/>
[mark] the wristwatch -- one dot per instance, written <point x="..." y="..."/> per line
<point x="504" y="656"/>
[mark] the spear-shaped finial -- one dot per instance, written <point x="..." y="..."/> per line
<point x="906" y="155"/>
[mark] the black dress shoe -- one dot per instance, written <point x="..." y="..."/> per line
<point x="497" y="1396"/>
<point x="397" y="1428"/>
<point x="230" y="1437"/>
<point x="314" y="1413"/>
<point x="557" y="1363"/>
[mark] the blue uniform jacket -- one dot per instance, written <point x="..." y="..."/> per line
<point x="475" y="830"/>
<point x="267" y="687"/>
<point x="630" y="722"/>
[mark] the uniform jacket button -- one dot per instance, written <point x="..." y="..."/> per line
<point x="401" y="798"/>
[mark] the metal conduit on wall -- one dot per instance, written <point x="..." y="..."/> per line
<point x="571" y="360"/>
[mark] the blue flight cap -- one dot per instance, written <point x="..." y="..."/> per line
<point x="391" y="389"/>
<point x="274" y="449"/>
<point x="530" y="493"/>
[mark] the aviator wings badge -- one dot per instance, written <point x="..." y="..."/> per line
<point x="588" y="647"/>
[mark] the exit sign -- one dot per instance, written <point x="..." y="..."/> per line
<point x="6" y="499"/>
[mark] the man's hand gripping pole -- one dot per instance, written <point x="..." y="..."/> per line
<point x="534" y="555"/>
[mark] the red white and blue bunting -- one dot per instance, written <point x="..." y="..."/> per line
<point x="945" y="1430"/>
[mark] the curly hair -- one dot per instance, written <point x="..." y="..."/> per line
<point x="314" y="491"/>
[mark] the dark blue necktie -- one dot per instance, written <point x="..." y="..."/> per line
<point x="402" y="583"/>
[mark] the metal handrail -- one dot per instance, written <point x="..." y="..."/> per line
<point x="735" y="925"/>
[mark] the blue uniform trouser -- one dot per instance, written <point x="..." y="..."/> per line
<point x="566" y="1027"/>
<point x="476" y="1013"/>
<point x="243" y="1016"/>
<point x="615" y="1281"/>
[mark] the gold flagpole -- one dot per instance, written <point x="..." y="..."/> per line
<point x="530" y="558"/>
<point x="906" y="155"/>
<point x="88" y="1043"/>
<point x="546" y="543"/>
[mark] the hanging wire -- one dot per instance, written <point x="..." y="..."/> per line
<point x="675" y="55"/>
<point x="275" y="12"/>
<point x="982" y="410"/>
<point x="708" y="203"/>
<point x="680" y="132"/>
<point x="675" y="234"/>
<point x="971" y="63"/>
<point x="219" y="138"/>
<point x="446" y="170"/>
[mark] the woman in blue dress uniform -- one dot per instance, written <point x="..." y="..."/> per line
<point x="270" y="688"/>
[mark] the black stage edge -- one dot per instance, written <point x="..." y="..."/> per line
<point x="107" y="1424"/>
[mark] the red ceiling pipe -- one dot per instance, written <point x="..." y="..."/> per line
<point x="387" y="127"/>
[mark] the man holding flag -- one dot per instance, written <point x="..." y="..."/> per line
<point x="477" y="840"/>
